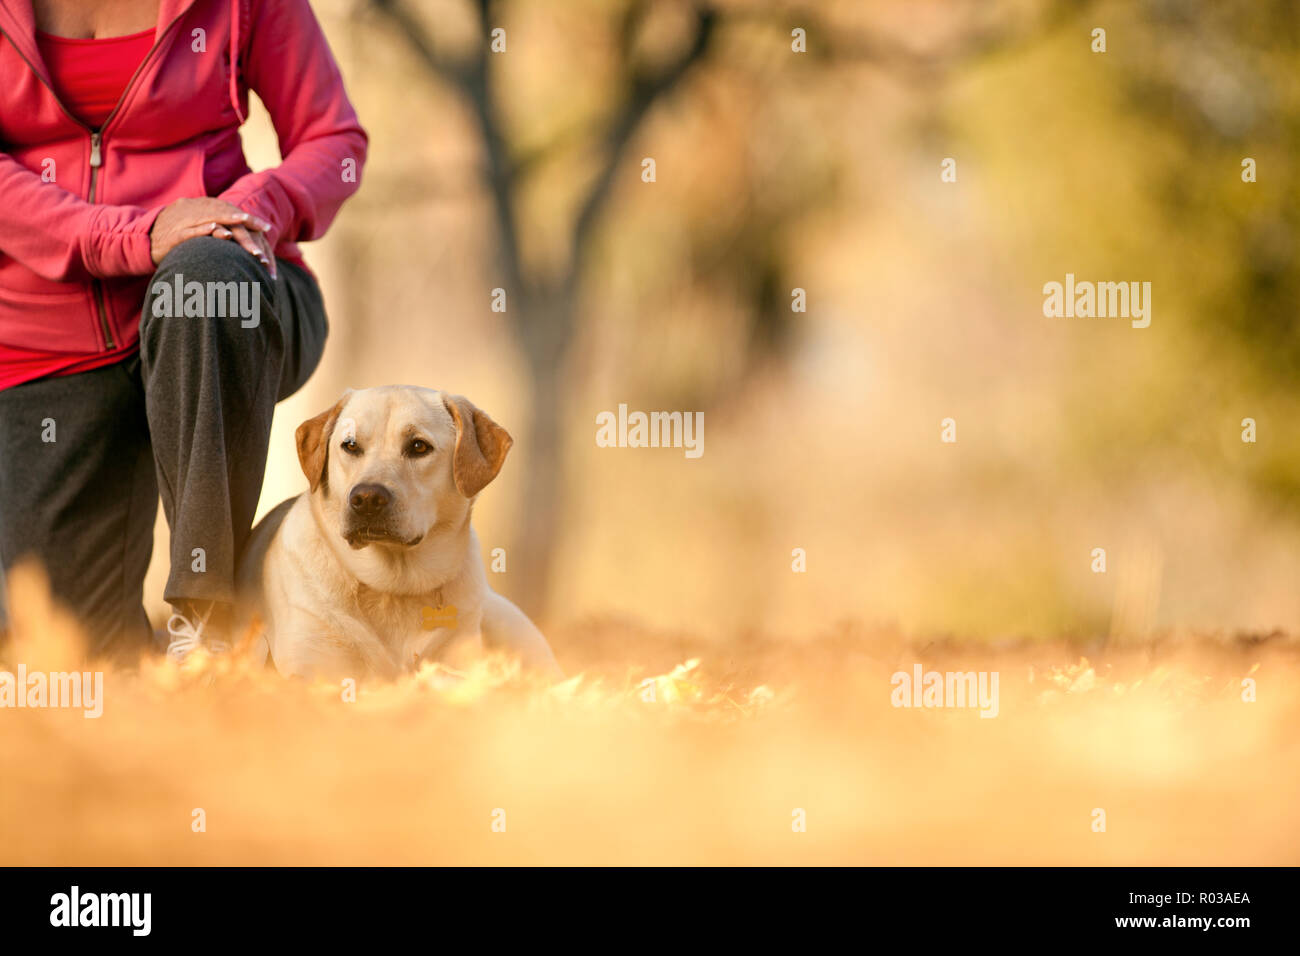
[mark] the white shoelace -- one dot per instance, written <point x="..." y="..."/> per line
<point x="186" y="637"/>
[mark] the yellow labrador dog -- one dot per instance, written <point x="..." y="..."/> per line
<point x="376" y="568"/>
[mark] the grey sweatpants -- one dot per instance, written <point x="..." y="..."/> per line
<point x="189" y="416"/>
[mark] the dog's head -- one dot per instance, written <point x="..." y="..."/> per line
<point x="390" y="466"/>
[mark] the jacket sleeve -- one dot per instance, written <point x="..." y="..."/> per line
<point x="322" y="144"/>
<point x="64" y="238"/>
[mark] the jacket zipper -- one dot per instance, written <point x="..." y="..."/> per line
<point x="96" y="154"/>
<point x="97" y="160"/>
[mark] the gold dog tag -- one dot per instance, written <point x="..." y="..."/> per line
<point x="444" y="615"/>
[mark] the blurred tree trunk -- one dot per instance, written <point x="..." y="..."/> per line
<point x="551" y="316"/>
<point x="542" y="311"/>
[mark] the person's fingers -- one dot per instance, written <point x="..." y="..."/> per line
<point x="193" y="232"/>
<point x="269" y="253"/>
<point x="255" y="244"/>
<point x="201" y="208"/>
<point x="236" y="217"/>
<point x="197" y="210"/>
<point x="165" y="242"/>
<point x="227" y="218"/>
<point x="246" y="241"/>
<point x="229" y="214"/>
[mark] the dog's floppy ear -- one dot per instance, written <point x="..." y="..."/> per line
<point x="481" y="445"/>
<point x="313" y="445"/>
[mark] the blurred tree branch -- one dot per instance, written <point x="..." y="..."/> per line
<point x="831" y="44"/>
<point x="644" y="89"/>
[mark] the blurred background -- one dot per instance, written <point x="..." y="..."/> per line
<point x="778" y="170"/>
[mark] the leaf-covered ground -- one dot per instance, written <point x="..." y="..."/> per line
<point x="666" y="749"/>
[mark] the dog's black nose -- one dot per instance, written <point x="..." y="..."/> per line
<point x="369" y="500"/>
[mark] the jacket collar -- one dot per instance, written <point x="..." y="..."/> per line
<point x="18" y="23"/>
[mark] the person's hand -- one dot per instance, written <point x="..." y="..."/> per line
<point x="205" y="216"/>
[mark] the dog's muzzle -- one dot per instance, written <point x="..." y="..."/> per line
<point x="369" y="518"/>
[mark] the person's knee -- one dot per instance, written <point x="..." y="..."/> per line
<point x="207" y="259"/>
<point x="204" y="288"/>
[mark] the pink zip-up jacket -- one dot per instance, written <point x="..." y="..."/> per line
<point x="76" y="204"/>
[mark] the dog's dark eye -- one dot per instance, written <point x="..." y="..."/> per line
<point x="351" y="447"/>
<point x="418" y="448"/>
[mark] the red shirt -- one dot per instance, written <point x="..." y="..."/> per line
<point x="89" y="77"/>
